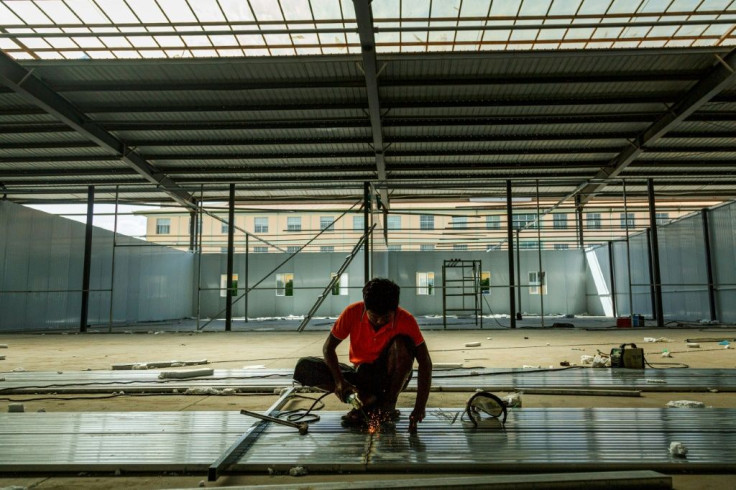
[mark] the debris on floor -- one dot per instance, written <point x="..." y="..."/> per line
<point x="156" y="365"/>
<point x="190" y="373"/>
<point x="16" y="408"/>
<point x="512" y="400"/>
<point x="685" y="404"/>
<point x="666" y="353"/>
<point x="298" y="471"/>
<point x="678" y="449"/>
<point x="693" y="345"/>
<point x="472" y="344"/>
<point x="657" y="339"/>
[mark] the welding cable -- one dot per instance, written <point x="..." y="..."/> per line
<point x="304" y="415"/>
<point x="493" y="314"/>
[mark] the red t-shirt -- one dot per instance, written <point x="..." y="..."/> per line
<point x="365" y="343"/>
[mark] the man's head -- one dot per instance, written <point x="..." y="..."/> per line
<point x="381" y="296"/>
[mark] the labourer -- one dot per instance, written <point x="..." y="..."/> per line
<point x="384" y="341"/>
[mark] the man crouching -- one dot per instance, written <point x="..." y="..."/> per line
<point x="384" y="341"/>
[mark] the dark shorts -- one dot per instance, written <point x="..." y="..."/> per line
<point x="369" y="377"/>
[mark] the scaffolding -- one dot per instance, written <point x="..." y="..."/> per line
<point x="461" y="291"/>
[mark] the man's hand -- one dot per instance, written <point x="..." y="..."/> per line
<point x="417" y="415"/>
<point x="343" y="389"/>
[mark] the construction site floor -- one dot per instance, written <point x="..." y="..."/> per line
<point x="279" y="348"/>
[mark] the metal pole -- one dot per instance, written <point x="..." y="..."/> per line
<point x="612" y="277"/>
<point x="230" y="244"/>
<point x="709" y="265"/>
<point x="628" y="250"/>
<point x="246" y="276"/>
<point x="199" y="254"/>
<point x="84" y="314"/>
<point x="579" y="219"/>
<point x="652" y="294"/>
<point x="366" y="226"/>
<point x="510" y="238"/>
<point x="112" y="265"/>
<point x="540" y="272"/>
<point x="655" y="254"/>
<point x="518" y="271"/>
<point x="192" y="229"/>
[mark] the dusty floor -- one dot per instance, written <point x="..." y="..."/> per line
<point x="279" y="349"/>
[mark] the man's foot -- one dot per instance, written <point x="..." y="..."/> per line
<point x="354" y="418"/>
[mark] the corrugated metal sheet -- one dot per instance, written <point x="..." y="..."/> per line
<point x="532" y="439"/>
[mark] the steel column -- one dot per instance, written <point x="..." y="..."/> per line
<point x="192" y="230"/>
<point x="230" y="246"/>
<point x="510" y="239"/>
<point x="83" y="317"/>
<point x="612" y="275"/>
<point x="654" y="250"/>
<point x="366" y="226"/>
<point x="709" y="264"/>
<point x="579" y="221"/>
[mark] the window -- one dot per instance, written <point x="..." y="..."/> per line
<point x="426" y="222"/>
<point x="285" y="284"/>
<point x="393" y="223"/>
<point x="662" y="218"/>
<point x="426" y="247"/>
<point x="163" y="226"/>
<point x="224" y="227"/>
<point x="223" y="250"/>
<point x="534" y="282"/>
<point x="460" y="247"/>
<point x="294" y="223"/>
<point x="223" y="285"/>
<point x="358" y="223"/>
<point x="340" y="288"/>
<point x="459" y="222"/>
<point x="493" y="222"/>
<point x="561" y="246"/>
<point x="593" y="221"/>
<point x="260" y="250"/>
<point x="292" y="249"/>
<point x="559" y="221"/>
<point x="394" y="248"/>
<point x="425" y="283"/>
<point x="260" y="225"/>
<point x="528" y="244"/>
<point x="485" y="282"/>
<point x="520" y="221"/>
<point x="328" y="248"/>
<point x="627" y="219"/>
<point x="326" y="223"/>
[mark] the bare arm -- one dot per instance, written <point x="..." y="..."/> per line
<point x="342" y="387"/>
<point x="424" y="383"/>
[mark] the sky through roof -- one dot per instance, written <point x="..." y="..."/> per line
<point x="98" y="29"/>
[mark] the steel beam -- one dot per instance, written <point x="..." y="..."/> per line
<point x="721" y="76"/>
<point x="230" y="246"/>
<point x="364" y="17"/>
<point x="87" y="260"/>
<point x="709" y="264"/>
<point x="655" y="254"/>
<point x="26" y="84"/>
<point x="510" y="240"/>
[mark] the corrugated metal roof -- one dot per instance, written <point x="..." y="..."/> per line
<point x="303" y="124"/>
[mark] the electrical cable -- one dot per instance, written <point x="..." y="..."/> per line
<point x="304" y="415"/>
<point x="492" y="313"/>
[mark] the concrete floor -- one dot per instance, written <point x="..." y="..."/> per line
<point x="280" y="347"/>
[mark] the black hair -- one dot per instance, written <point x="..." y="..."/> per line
<point x="381" y="295"/>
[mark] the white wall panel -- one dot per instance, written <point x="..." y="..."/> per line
<point x="42" y="259"/>
<point x="722" y="222"/>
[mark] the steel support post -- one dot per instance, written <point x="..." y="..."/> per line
<point x="518" y="273"/>
<point x="540" y="273"/>
<point x="366" y="227"/>
<point x="112" y="259"/>
<point x="245" y="279"/>
<point x="612" y="276"/>
<point x="650" y="269"/>
<point x="579" y="222"/>
<point x="192" y="230"/>
<point x="655" y="254"/>
<point x="510" y="239"/>
<point x="230" y="245"/>
<point x="709" y="265"/>
<point x="83" y="317"/>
